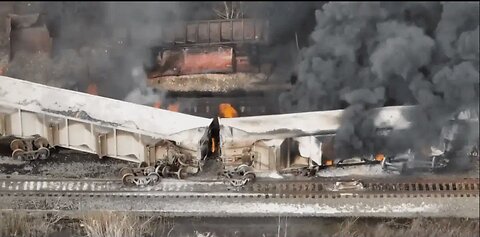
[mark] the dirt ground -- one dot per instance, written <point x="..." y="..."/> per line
<point x="111" y="224"/>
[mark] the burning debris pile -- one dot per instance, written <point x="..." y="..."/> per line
<point x="366" y="55"/>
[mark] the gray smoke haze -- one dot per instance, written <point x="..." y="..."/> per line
<point x="104" y="42"/>
<point x="365" y="55"/>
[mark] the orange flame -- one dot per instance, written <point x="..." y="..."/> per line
<point x="92" y="89"/>
<point x="379" y="157"/>
<point x="157" y="104"/>
<point x="174" y="107"/>
<point x="213" y="145"/>
<point x="227" y="111"/>
<point x="329" y="162"/>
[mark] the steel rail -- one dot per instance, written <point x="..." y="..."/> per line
<point x="305" y="188"/>
<point x="224" y="195"/>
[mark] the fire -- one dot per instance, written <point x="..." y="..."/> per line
<point x="227" y="111"/>
<point x="174" y="107"/>
<point x="92" y="89"/>
<point x="379" y="157"/>
<point x="157" y="104"/>
<point x="213" y="145"/>
<point x="329" y="162"/>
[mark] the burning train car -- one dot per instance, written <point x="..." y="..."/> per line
<point x="204" y="64"/>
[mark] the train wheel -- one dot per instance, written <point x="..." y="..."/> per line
<point x="128" y="179"/>
<point x="18" y="154"/>
<point x="181" y="173"/>
<point x="42" y="153"/>
<point x="126" y="170"/>
<point x="242" y="169"/>
<point x="159" y="169"/>
<point x="149" y="170"/>
<point x="40" y="142"/>
<point x="154" y="177"/>
<point x="182" y="161"/>
<point x="17" y="144"/>
<point x="166" y="171"/>
<point x="249" y="177"/>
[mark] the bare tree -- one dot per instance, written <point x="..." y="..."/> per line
<point x="229" y="10"/>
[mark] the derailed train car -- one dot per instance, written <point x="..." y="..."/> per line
<point x="303" y="143"/>
<point x="170" y="143"/>
<point x="458" y="140"/>
<point x="288" y="144"/>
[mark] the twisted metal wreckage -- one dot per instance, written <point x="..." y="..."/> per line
<point x="169" y="143"/>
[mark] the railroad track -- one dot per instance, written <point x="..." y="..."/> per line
<point x="262" y="189"/>
<point x="99" y="185"/>
<point x="408" y="185"/>
<point x="258" y="196"/>
<point x="393" y="198"/>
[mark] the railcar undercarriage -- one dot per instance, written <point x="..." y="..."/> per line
<point x="30" y="148"/>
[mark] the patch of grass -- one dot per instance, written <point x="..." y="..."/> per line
<point x="131" y="224"/>
<point x="120" y="224"/>
<point x="18" y="223"/>
<point x="418" y="227"/>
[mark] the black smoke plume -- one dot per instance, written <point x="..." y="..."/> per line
<point x="372" y="54"/>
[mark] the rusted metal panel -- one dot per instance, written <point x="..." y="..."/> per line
<point x="219" y="31"/>
<point x="179" y="33"/>
<point x="215" y="32"/>
<point x="249" y="33"/>
<point x="196" y="61"/>
<point x="218" y="60"/>
<point x="226" y="29"/>
<point x="192" y="33"/>
<point x="203" y="32"/>
<point x="237" y="30"/>
<point x="259" y="32"/>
